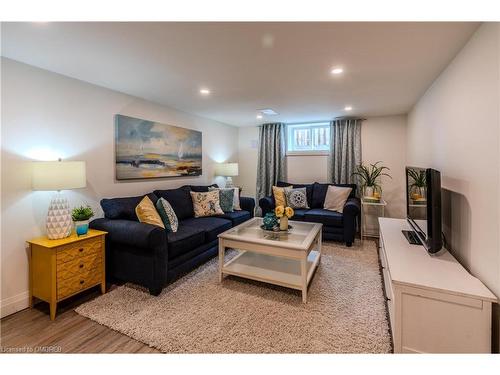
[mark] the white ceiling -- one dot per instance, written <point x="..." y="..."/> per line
<point x="249" y="66"/>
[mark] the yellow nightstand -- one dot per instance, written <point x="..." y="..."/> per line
<point x="62" y="268"/>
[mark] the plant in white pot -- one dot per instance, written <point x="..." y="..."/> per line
<point x="81" y="216"/>
<point x="370" y="177"/>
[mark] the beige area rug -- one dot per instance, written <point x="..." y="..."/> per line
<point x="345" y="312"/>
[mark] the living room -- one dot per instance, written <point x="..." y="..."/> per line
<point x="170" y="187"/>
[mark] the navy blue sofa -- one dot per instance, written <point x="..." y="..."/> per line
<point x="336" y="226"/>
<point x="150" y="256"/>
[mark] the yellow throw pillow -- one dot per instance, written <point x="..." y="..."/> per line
<point x="279" y="195"/>
<point x="146" y="212"/>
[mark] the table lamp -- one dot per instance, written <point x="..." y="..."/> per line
<point x="227" y="170"/>
<point x="57" y="176"/>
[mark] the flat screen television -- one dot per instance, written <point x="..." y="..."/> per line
<point x="423" y="207"/>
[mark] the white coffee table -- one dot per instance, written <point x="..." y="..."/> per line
<point x="288" y="260"/>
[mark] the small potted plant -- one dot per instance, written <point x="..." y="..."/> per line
<point x="370" y="176"/>
<point x="283" y="213"/>
<point x="81" y="216"/>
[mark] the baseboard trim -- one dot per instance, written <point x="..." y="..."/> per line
<point x="14" y="304"/>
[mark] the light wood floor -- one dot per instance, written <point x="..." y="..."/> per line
<point x="71" y="332"/>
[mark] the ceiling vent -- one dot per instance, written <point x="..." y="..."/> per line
<point x="268" y="112"/>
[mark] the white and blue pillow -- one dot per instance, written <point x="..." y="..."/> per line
<point x="296" y="198"/>
<point x="167" y="215"/>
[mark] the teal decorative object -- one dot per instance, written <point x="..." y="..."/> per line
<point x="270" y="221"/>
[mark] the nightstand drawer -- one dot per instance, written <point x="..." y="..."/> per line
<point x="79" y="266"/>
<point x="77" y="250"/>
<point x="79" y="282"/>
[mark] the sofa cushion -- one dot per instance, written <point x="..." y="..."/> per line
<point x="185" y="239"/>
<point x="309" y="189"/>
<point x="237" y="217"/>
<point x="325" y="217"/>
<point x="179" y="199"/>
<point x="123" y="208"/>
<point x="299" y="214"/>
<point x="200" y="188"/>
<point x="296" y="198"/>
<point x="226" y="198"/>
<point x="167" y="215"/>
<point x="279" y="195"/>
<point x="319" y="193"/>
<point x="206" y="204"/>
<point x="336" y="197"/>
<point x="212" y="226"/>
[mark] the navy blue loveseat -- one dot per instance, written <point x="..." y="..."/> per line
<point x="148" y="255"/>
<point x="336" y="226"/>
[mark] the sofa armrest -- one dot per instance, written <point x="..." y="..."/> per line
<point x="248" y="204"/>
<point x="266" y="204"/>
<point x="352" y="209"/>
<point x="132" y="233"/>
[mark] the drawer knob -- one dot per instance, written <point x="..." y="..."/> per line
<point x="80" y="249"/>
<point x="81" y="265"/>
<point x="82" y="281"/>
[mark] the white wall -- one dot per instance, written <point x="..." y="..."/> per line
<point x="46" y="114"/>
<point x="382" y="138"/>
<point x="455" y="128"/>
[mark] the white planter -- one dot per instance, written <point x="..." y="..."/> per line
<point x="369" y="191"/>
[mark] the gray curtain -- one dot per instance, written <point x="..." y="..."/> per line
<point x="345" y="150"/>
<point x="271" y="165"/>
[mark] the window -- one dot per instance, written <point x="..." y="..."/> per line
<point x="308" y="138"/>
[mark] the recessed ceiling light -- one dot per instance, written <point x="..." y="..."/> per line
<point x="337" y="70"/>
<point x="204" y="91"/>
<point x="259" y="117"/>
<point x="348" y="108"/>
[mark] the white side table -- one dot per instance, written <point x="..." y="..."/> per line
<point x="371" y="209"/>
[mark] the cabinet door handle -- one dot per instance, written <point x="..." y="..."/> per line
<point x="81" y="265"/>
<point x="82" y="281"/>
<point x="80" y="249"/>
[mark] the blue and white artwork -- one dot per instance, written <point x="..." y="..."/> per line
<point x="148" y="149"/>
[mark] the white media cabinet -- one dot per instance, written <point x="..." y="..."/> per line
<point x="435" y="305"/>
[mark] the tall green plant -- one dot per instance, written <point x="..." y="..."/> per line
<point x="370" y="174"/>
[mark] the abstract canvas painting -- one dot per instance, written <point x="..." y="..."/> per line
<point x="148" y="149"/>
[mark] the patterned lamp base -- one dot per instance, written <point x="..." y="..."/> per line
<point x="59" y="222"/>
<point x="229" y="183"/>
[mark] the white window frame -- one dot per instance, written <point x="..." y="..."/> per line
<point x="306" y="125"/>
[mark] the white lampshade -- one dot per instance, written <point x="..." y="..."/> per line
<point x="226" y="169"/>
<point x="58" y="175"/>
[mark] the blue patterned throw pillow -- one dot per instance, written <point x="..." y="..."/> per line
<point x="226" y="198"/>
<point x="296" y="198"/>
<point x="167" y="215"/>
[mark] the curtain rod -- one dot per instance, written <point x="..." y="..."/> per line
<point x="317" y="122"/>
<point x="326" y="121"/>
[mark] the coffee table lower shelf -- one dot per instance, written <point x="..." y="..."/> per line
<point x="272" y="269"/>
